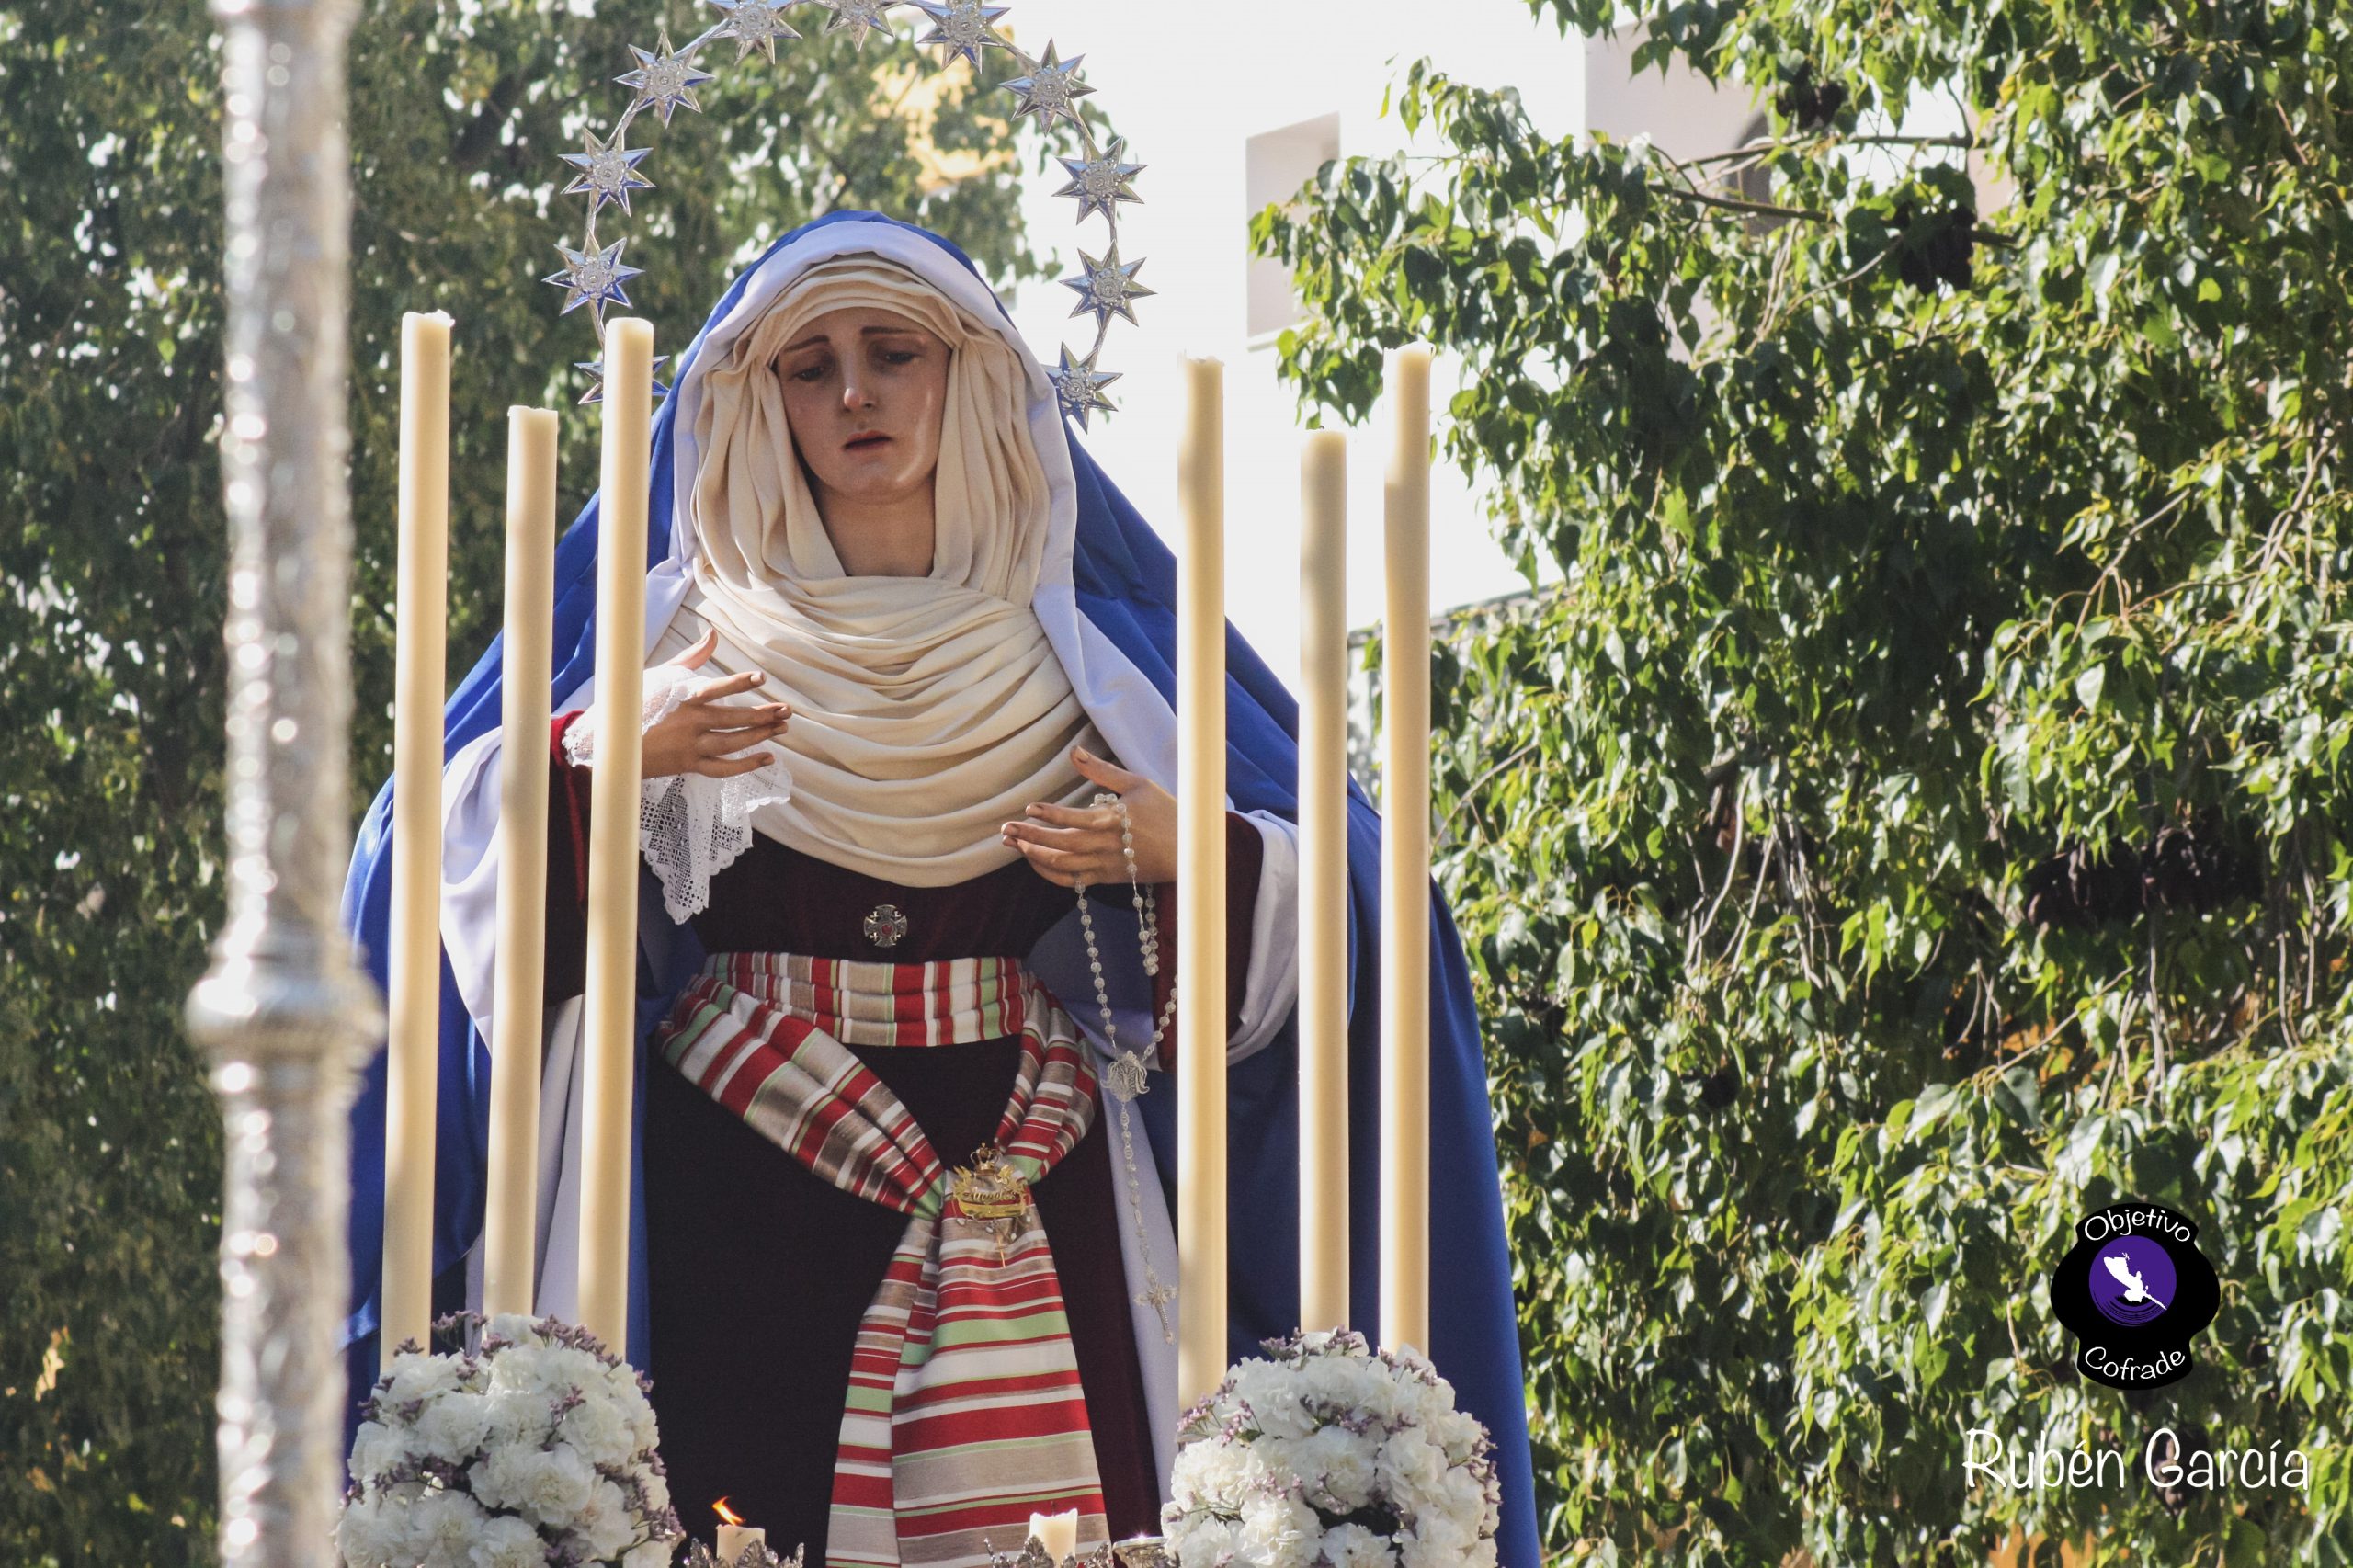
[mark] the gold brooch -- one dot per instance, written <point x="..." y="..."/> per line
<point x="991" y="1192"/>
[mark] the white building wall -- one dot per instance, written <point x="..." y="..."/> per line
<point x="1189" y="88"/>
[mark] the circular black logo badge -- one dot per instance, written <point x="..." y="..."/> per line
<point x="2133" y="1290"/>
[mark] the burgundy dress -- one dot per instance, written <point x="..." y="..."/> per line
<point x="760" y="1269"/>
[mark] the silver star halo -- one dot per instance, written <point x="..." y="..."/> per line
<point x="1047" y="91"/>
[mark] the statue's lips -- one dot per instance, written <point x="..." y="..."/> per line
<point x="865" y="442"/>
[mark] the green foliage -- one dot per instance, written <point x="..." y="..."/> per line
<point x="112" y="546"/>
<point x="1918" y="816"/>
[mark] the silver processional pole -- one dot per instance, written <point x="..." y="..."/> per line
<point x="283" y="1012"/>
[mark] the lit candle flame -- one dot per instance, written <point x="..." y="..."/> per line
<point x="726" y="1514"/>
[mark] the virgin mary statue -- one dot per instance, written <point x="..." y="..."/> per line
<point x="910" y="737"/>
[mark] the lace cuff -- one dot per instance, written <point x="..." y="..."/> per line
<point x="689" y="826"/>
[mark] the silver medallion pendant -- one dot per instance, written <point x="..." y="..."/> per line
<point x="1125" y="1077"/>
<point x="885" y="924"/>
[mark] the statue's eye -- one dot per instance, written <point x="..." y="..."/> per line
<point x="809" y="373"/>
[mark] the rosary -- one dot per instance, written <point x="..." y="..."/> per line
<point x="1126" y="1076"/>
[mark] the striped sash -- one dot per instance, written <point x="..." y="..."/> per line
<point x="964" y="1412"/>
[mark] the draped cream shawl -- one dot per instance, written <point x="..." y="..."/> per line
<point x="926" y="710"/>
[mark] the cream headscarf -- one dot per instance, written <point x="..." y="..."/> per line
<point x="926" y="710"/>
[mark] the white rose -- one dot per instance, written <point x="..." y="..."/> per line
<point x="1203" y="1541"/>
<point x="597" y="1430"/>
<point x="1274" y="1398"/>
<point x="488" y="1476"/>
<point x="562" y="1368"/>
<point x="1436" y="1541"/>
<point x="506" y="1541"/>
<point x="443" y="1527"/>
<point x="416" y="1376"/>
<point x="369" y="1535"/>
<point x="1277" y="1530"/>
<point x="375" y="1448"/>
<point x="1333" y="1384"/>
<point x="562" y="1484"/>
<point x="1457" y="1432"/>
<point x="517" y="1368"/>
<point x="1389" y="1398"/>
<point x="604" y="1525"/>
<point x="638" y="1412"/>
<point x="514" y="1326"/>
<point x="1428" y="1404"/>
<point x="547" y="1488"/>
<point x="1212" y="1475"/>
<point x="1410" y="1461"/>
<point x="453" y="1426"/>
<point x="517" y="1419"/>
<point x="650" y="1554"/>
<point x="657" y="1492"/>
<point x="1337" y="1467"/>
<point x="1354" y="1546"/>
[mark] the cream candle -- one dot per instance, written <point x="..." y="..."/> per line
<point x="1323" y="882"/>
<point x="413" y="963"/>
<point x="734" y="1536"/>
<point x="1201" y="926"/>
<point x="511" y="1205"/>
<point x="610" y="1003"/>
<point x="1058" y="1533"/>
<point x="1404" y="866"/>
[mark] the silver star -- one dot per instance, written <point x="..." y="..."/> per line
<point x="858" y="17"/>
<point x="962" y="26"/>
<point x="1080" y="385"/>
<point x="607" y="172"/>
<point x="593" y="277"/>
<point x="756" y="24"/>
<point x="1101" y="183"/>
<point x="596" y="369"/>
<point x="1106" y="288"/>
<point x="664" y="79"/>
<point x="1051" y="89"/>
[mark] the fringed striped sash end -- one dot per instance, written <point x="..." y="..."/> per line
<point x="964" y="1412"/>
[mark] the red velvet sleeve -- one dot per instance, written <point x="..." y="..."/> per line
<point x="567" y="932"/>
<point x="1245" y="852"/>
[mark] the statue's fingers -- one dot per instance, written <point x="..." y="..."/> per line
<point x="1097" y="817"/>
<point x="727" y="686"/>
<point x="736" y="716"/>
<point x="729" y="767"/>
<point x="1066" y="862"/>
<point x="719" y="743"/>
<point x="1070" y="840"/>
<point x="1110" y="775"/>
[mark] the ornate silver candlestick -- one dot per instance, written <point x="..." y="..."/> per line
<point x="756" y="1555"/>
<point x="1139" y="1552"/>
<point x="285" y="1014"/>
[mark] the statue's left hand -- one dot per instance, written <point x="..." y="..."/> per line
<point x="1068" y="845"/>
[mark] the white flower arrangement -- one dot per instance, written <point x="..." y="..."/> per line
<point x="1332" y="1455"/>
<point x="538" y="1449"/>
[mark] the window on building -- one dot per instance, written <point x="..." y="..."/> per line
<point x="1274" y="165"/>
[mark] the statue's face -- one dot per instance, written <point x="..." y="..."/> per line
<point x="863" y="388"/>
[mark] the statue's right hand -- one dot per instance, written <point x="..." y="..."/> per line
<point x="705" y="733"/>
